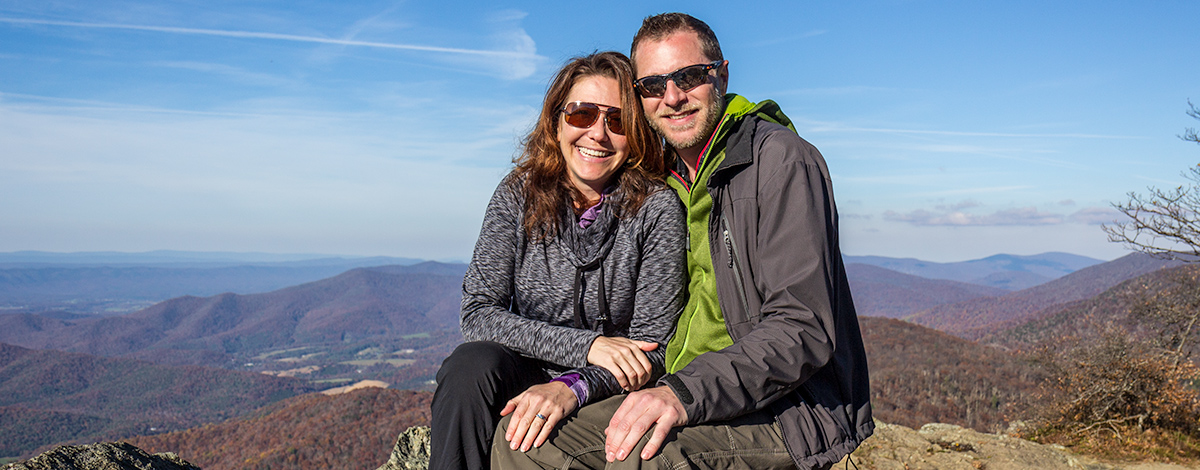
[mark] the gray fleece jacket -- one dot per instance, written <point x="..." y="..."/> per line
<point x="521" y="293"/>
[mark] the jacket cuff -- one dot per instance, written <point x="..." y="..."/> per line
<point x="681" y="391"/>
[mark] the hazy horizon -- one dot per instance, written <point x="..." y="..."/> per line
<point x="266" y="257"/>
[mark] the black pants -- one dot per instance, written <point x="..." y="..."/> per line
<point x="473" y="385"/>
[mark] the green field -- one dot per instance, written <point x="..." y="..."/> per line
<point x="371" y="362"/>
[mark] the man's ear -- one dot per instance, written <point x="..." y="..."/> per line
<point x="723" y="75"/>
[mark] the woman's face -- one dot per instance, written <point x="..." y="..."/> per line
<point x="595" y="153"/>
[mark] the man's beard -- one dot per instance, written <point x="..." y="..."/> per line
<point x="716" y="109"/>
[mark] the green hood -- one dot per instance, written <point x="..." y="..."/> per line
<point x="737" y="107"/>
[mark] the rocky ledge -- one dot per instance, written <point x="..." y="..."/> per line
<point x="933" y="447"/>
<point x="103" y="456"/>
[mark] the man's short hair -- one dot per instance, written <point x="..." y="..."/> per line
<point x="658" y="27"/>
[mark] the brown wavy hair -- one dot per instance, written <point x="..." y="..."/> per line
<point x="541" y="170"/>
<point x="658" y="27"/>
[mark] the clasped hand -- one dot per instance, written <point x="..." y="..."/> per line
<point x="538" y="409"/>
<point x="625" y="358"/>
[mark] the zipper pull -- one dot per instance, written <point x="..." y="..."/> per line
<point x="729" y="247"/>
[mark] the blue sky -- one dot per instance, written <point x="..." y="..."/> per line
<point x="953" y="130"/>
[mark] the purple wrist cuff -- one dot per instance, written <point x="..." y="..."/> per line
<point x="576" y="384"/>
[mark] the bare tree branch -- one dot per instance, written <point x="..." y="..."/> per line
<point x="1163" y="223"/>
<point x="1189" y="134"/>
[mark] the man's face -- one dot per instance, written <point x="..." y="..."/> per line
<point x="685" y="118"/>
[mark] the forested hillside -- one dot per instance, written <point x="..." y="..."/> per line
<point x="51" y="396"/>
<point x="351" y="431"/>
<point x="920" y="375"/>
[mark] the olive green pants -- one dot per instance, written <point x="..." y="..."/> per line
<point x="751" y="441"/>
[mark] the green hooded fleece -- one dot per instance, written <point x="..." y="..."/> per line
<point x="701" y="326"/>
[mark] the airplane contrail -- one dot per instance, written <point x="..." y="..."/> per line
<point x="275" y="36"/>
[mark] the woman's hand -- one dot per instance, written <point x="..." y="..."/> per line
<point x="535" y="412"/>
<point x="625" y="358"/>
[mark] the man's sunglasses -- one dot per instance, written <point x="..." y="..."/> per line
<point x="692" y="76"/>
<point x="583" y="115"/>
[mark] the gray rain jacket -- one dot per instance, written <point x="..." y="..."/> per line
<point x="773" y="235"/>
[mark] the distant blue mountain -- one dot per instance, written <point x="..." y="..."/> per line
<point x="115" y="283"/>
<point x="1009" y="272"/>
<point x="190" y="259"/>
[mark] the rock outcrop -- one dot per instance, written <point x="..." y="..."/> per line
<point x="949" y="447"/>
<point x="893" y="447"/>
<point x="411" y="451"/>
<point x="944" y="446"/>
<point x="102" y="456"/>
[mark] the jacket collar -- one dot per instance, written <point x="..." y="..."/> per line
<point x="740" y="123"/>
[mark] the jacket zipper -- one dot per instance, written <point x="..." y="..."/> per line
<point x="731" y="249"/>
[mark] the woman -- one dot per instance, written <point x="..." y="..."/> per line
<point x="577" y="277"/>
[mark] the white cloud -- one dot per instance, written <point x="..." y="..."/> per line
<point x="1096" y="216"/>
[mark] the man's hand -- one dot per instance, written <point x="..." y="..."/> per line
<point x="625" y="358"/>
<point x="535" y="413"/>
<point x="658" y="407"/>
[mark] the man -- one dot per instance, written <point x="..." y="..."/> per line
<point x="767" y="367"/>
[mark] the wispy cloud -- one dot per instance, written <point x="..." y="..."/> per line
<point x="278" y="36"/>
<point x="377" y="21"/>
<point x="944" y="215"/>
<point x="963" y="191"/>
<point x="248" y="178"/>
<point x="959" y="206"/>
<point x="1018" y="216"/>
<point x="238" y="74"/>
<point x="827" y="127"/>
<point x="521" y="51"/>
<point x="1096" y="216"/>
<point x="56" y="105"/>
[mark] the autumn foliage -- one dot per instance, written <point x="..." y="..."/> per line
<point x="1129" y="388"/>
<point x="920" y="376"/>
<point x="355" y="430"/>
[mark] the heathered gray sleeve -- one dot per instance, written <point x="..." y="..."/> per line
<point x="488" y="293"/>
<point x="661" y="288"/>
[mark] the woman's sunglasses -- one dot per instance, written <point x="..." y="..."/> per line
<point x="583" y="115"/>
<point x="692" y="76"/>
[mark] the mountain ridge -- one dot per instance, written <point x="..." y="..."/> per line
<point x="1010" y="272"/>
<point x="357" y="304"/>
<point x="882" y="292"/>
<point x="975" y="318"/>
